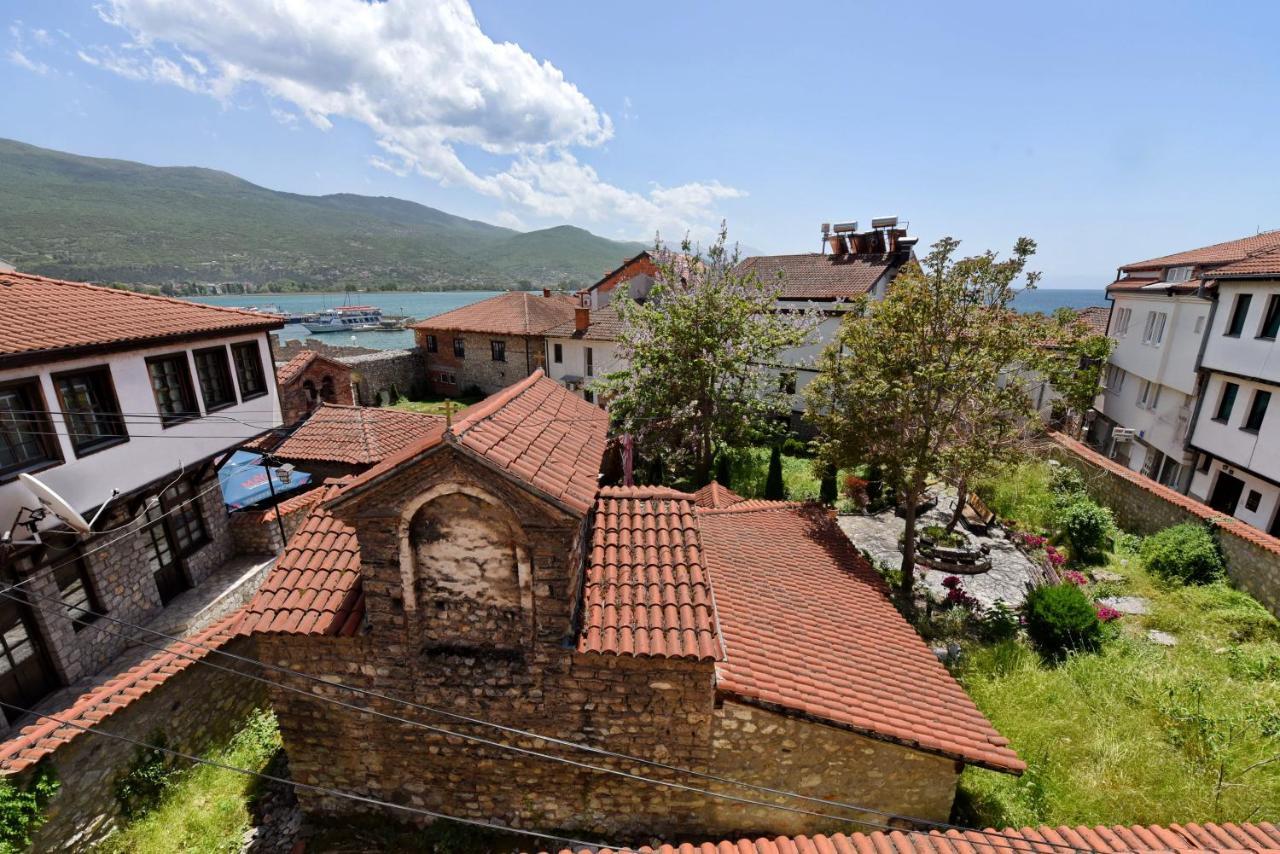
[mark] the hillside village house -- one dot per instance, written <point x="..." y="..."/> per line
<point x="1168" y="316"/>
<point x="485" y="570"/>
<point x="584" y="349"/>
<point x="104" y="390"/>
<point x="490" y="344"/>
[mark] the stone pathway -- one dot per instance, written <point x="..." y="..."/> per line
<point x="1006" y="580"/>
<point x="1126" y="604"/>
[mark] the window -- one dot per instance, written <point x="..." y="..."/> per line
<point x="1239" y="313"/>
<point x="1205" y="462"/>
<point x="498" y="350"/>
<point x="1175" y="275"/>
<point x="1257" y="411"/>
<point x="27" y="441"/>
<point x="459" y="348"/>
<point x="26" y="674"/>
<point x="1226" y="402"/>
<point x="1199" y="324"/>
<point x="1148" y="394"/>
<point x="327" y="393"/>
<point x="249" y="373"/>
<point x="557" y="353"/>
<point x="1122" y="322"/>
<point x="171" y="385"/>
<point x="90" y="409"/>
<point x="184" y="517"/>
<point x="1153" y="334"/>
<point x="1252" y="501"/>
<point x="1271" y="319"/>
<point x="1115" y="378"/>
<point x="591" y="363"/>
<point x="76" y="591"/>
<point x="588" y="395"/>
<point x="215" y="378"/>
<point x="787" y="382"/>
<point x="433" y="346"/>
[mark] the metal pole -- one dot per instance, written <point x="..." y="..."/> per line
<point x="274" y="502"/>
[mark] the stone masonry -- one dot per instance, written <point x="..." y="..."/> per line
<point x="524" y="355"/>
<point x="377" y="377"/>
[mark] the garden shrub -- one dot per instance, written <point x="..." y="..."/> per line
<point x="1184" y="553"/>
<point x="22" y="808"/>
<point x="794" y="447"/>
<point x="1060" y="618"/>
<point x="1087" y="526"/>
<point x="141" y="787"/>
<point x="773" y="486"/>
<point x="999" y="623"/>
<point x="1066" y="481"/>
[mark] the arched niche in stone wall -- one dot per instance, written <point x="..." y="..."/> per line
<point x="465" y="570"/>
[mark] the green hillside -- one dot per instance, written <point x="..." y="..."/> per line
<point x="117" y="221"/>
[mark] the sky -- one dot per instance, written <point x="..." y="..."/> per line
<point x="1108" y="132"/>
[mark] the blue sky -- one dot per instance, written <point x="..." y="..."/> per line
<point x="1108" y="132"/>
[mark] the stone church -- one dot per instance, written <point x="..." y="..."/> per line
<point x="486" y="572"/>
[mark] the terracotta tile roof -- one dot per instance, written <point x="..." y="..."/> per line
<point x="1095" y="317"/>
<point x="49" y="317"/>
<point x="290" y="370"/>
<point x="541" y="433"/>
<point x="646" y="590"/>
<point x="1218" y="253"/>
<point x="514" y="313"/>
<point x="808" y="627"/>
<point x="314" y="588"/>
<point x="1203" y="511"/>
<point x="817" y="276"/>
<point x="37" y="740"/>
<point x="715" y="496"/>
<point x="359" y="435"/>
<point x="604" y="325"/>
<point x="1258" y="265"/>
<point x="1131" y="283"/>
<point x="1262" y="836"/>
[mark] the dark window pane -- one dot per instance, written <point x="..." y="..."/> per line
<point x="26" y="436"/>
<point x="171" y="385"/>
<point x="249" y="369"/>
<point x="459" y="348"/>
<point x="432" y="345"/>
<point x="1255" y="498"/>
<point x="1239" y="314"/>
<point x="499" y="350"/>
<point x="1271" y="320"/>
<point x="186" y="523"/>
<point x="1257" y="410"/>
<point x="76" y="591"/>
<point x="90" y="409"/>
<point x="1228" y="401"/>
<point x="215" y="378"/>
<point x="558" y="353"/>
<point x="26" y="674"/>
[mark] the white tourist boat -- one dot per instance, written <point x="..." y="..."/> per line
<point x="347" y="318"/>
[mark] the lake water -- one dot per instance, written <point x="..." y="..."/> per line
<point x="425" y="304"/>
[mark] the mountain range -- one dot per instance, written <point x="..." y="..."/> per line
<point x="182" y="228"/>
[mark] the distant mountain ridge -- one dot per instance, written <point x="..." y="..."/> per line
<point x="117" y="221"/>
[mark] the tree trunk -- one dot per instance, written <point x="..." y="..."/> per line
<point x="962" y="496"/>
<point x="906" y="589"/>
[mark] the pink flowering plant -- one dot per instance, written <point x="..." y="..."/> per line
<point x="957" y="596"/>
<point x="1076" y="577"/>
<point x="1107" y="614"/>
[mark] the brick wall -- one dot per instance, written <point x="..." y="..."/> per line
<point x="297" y="400"/>
<point x="1143" y="506"/>
<point x="196" y="710"/>
<point x="524" y="354"/>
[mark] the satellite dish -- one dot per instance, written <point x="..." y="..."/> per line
<point x="56" y="504"/>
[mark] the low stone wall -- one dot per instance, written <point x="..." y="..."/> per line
<point x="196" y="710"/>
<point x="376" y="374"/>
<point x="1143" y="506"/>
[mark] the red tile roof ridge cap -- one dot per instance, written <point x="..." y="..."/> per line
<point x="154" y="297"/>
<point x="480" y="411"/>
<point x="638" y="491"/>
<point x="762" y="505"/>
<point x="388" y="464"/>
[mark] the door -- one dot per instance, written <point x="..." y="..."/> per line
<point x="26" y="674"/>
<point x="1226" y="493"/>
<point x="166" y="566"/>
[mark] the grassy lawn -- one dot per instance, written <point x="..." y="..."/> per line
<point x="205" y="809"/>
<point x="750" y="470"/>
<point x="434" y="405"/>
<point x="1136" y="732"/>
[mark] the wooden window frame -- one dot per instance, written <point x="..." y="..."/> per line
<point x="224" y="365"/>
<point x="81" y="447"/>
<point x="41" y="422"/>
<point x="249" y="347"/>
<point x="498" y="350"/>
<point x="459" y="347"/>
<point x="168" y="420"/>
<point x="433" y="343"/>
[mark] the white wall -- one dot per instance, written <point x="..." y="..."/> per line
<point x="86" y="482"/>
<point x="1256" y="452"/>
<point x="1173" y="362"/>
<point x="1247" y="354"/>
<point x="1202" y="487"/>
<point x="574" y="361"/>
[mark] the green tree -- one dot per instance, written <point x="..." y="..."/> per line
<point x="1073" y="365"/>
<point x="701" y="354"/>
<point x="774" y="489"/>
<point x="929" y="381"/>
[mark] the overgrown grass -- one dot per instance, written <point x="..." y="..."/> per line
<point x="1137" y="732"/>
<point x="750" y="468"/>
<point x="206" y="809"/>
<point x="435" y="405"/>
<point x="1022" y="495"/>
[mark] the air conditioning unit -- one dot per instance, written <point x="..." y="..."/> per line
<point x="1123" y="434"/>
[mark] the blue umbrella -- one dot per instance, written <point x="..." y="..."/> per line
<point x="244" y="480"/>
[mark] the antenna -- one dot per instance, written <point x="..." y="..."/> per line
<point x="50" y="503"/>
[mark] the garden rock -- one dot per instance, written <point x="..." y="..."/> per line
<point x="1126" y="604"/>
<point x="1162" y="638"/>
<point x="1104" y="575"/>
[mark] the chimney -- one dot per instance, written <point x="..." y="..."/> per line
<point x="581" y="319"/>
<point x="546" y="293"/>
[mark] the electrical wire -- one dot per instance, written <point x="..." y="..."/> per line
<point x="515" y="748"/>
<point x="324" y="790"/>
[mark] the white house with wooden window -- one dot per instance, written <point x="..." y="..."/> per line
<point x="108" y="396"/>
<point x="1186" y="387"/>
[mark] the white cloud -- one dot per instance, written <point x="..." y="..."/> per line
<point x="422" y="76"/>
<point x="20" y="54"/>
<point x="21" y="60"/>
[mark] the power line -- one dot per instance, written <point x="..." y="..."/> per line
<point x="515" y="748"/>
<point x="324" y="790"/>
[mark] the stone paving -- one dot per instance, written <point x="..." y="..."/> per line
<point x="1007" y="579"/>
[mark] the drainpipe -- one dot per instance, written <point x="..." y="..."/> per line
<point x="1202" y="379"/>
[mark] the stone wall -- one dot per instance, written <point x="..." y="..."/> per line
<point x="524" y="354"/>
<point x="304" y="391"/>
<point x="1143" y="506"/>
<point x="376" y="376"/>
<point x="196" y="710"/>
<point x="255" y="532"/>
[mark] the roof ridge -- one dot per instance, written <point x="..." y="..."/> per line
<point x="643" y="491"/>
<point x="760" y="505"/>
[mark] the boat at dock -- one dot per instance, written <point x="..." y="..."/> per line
<point x="347" y="318"/>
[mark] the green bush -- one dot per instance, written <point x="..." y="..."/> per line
<point x="1061" y="618"/>
<point x="1087" y="527"/>
<point x="1065" y="480"/>
<point x="773" y="486"/>
<point x="998" y="623"/>
<point x="22" y="808"/>
<point x="1184" y="553"/>
<point x="142" y="786"/>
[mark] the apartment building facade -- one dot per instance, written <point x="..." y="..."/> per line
<point x="128" y="400"/>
